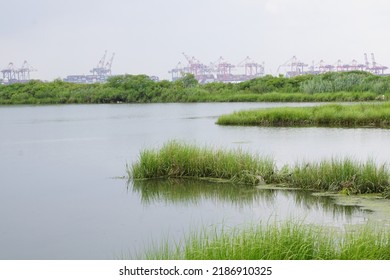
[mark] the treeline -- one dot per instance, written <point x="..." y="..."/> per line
<point x="349" y="86"/>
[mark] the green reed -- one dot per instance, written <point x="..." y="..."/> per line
<point x="288" y="241"/>
<point x="345" y="175"/>
<point x="333" y="115"/>
<point x="178" y="160"/>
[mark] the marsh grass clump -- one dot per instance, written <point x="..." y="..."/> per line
<point x="341" y="175"/>
<point x="333" y="115"/>
<point x="177" y="160"/>
<point x="386" y="192"/>
<point x="286" y="241"/>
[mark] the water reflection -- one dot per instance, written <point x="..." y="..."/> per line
<point x="307" y="200"/>
<point x="195" y="192"/>
<point x="192" y="192"/>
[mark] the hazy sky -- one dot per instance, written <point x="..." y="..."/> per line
<point x="63" y="37"/>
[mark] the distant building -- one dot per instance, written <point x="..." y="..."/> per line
<point x="218" y="71"/>
<point x="99" y="74"/>
<point x="85" y="79"/>
<point x="154" y="78"/>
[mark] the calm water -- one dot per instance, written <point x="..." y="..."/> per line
<point x="59" y="198"/>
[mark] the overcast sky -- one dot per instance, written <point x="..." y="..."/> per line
<point x="63" y="37"/>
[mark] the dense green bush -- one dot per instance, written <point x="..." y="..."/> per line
<point x="349" y="86"/>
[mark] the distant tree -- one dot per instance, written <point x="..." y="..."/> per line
<point x="189" y="81"/>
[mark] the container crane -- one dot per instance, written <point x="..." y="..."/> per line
<point x="376" y="68"/>
<point x="294" y="66"/>
<point x="24" y="71"/>
<point x="100" y="70"/>
<point x="109" y="65"/>
<point x="9" y="73"/>
<point x="195" y="67"/>
<point x="356" y="66"/>
<point x="102" y="60"/>
<point x="177" y="72"/>
<point x="224" y="70"/>
<point x="324" y="68"/>
<point x="367" y="64"/>
<point x="252" y="69"/>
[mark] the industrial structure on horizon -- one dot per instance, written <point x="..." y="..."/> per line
<point x="295" y="67"/>
<point x="222" y="71"/>
<point x="12" y="74"/>
<point x="99" y="74"/>
<point x="218" y="71"/>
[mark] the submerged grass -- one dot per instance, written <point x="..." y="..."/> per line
<point x="289" y="241"/>
<point x="178" y="160"/>
<point x="361" y="115"/>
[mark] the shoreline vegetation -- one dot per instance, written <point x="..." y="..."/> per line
<point x="332" y="115"/>
<point x="330" y="87"/>
<point x="289" y="240"/>
<point x="286" y="241"/>
<point x="178" y="160"/>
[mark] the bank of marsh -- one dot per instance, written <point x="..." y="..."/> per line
<point x="333" y="115"/>
<point x="179" y="160"/>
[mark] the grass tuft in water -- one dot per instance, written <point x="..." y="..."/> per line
<point x="361" y="115"/>
<point x="177" y="160"/>
<point x="341" y="175"/>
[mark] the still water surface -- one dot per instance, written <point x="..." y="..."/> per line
<point x="60" y="199"/>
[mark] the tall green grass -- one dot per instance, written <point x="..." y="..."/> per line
<point x="288" y="241"/>
<point x="349" y="82"/>
<point x="244" y="96"/>
<point x="178" y="160"/>
<point x="347" y="175"/>
<point x="361" y="115"/>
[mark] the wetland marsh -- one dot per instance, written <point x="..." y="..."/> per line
<point x="62" y="195"/>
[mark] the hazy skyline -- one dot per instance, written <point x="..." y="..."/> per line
<point x="64" y="37"/>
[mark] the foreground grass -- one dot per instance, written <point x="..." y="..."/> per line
<point x="361" y="115"/>
<point x="178" y="160"/>
<point x="289" y="241"/>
